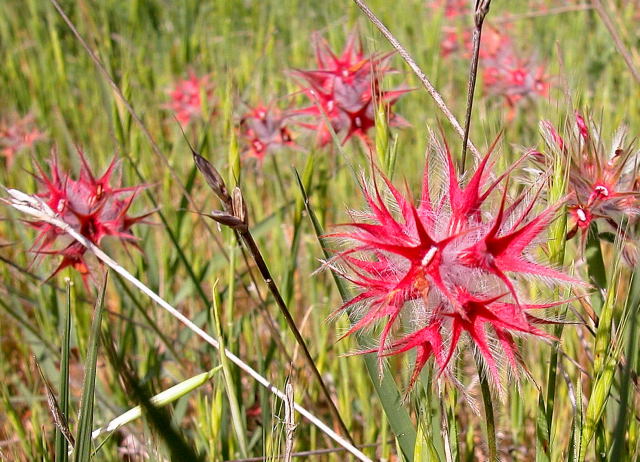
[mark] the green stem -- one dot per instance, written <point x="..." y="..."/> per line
<point x="382" y="381"/>
<point x="488" y="414"/>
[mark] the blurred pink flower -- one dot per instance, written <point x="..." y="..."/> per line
<point x="186" y="97"/>
<point x="17" y="134"/>
<point x="515" y="79"/>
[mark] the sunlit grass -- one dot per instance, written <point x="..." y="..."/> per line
<point x="247" y="49"/>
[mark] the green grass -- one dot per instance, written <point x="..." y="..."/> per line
<point x="247" y="47"/>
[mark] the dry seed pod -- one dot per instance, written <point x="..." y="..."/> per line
<point x="214" y="179"/>
<point x="239" y="206"/>
<point x="226" y="219"/>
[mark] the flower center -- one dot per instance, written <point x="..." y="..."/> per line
<point x="581" y="215"/>
<point x="258" y="146"/>
<point x="601" y="190"/>
<point x="61" y="205"/>
<point x="429" y="256"/>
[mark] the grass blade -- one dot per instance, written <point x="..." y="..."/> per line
<point x="82" y="451"/>
<point x="236" y="415"/>
<point x="557" y="245"/>
<point x="619" y="435"/>
<point x="488" y="413"/>
<point x="180" y="449"/>
<point x="595" y="266"/>
<point x="607" y="349"/>
<point x="61" y="444"/>
<point x="161" y="399"/>
<point x="384" y="384"/>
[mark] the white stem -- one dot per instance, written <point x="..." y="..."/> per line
<point x="34" y="206"/>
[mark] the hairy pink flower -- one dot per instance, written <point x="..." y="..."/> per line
<point x="186" y="97"/>
<point x="264" y="130"/>
<point x="604" y="182"/>
<point x="452" y="265"/>
<point x="346" y="90"/>
<point x="95" y="207"/>
<point x="17" y="134"/>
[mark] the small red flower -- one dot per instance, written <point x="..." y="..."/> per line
<point x="17" y="134"/>
<point x="186" y="97"/>
<point x="450" y="43"/>
<point x="95" y="207"/>
<point x="454" y="265"/>
<point x="346" y="90"/>
<point x="515" y="79"/>
<point x="458" y="41"/>
<point x="505" y="73"/>
<point x="264" y="130"/>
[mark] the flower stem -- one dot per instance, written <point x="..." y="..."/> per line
<point x="419" y="73"/>
<point x="481" y="10"/>
<point x="488" y="413"/>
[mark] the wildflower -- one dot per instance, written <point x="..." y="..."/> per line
<point x="452" y="265"/>
<point x="450" y="43"/>
<point x="505" y="72"/>
<point x="95" y="207"/>
<point x="516" y="79"/>
<point x="17" y="134"/>
<point x="345" y="90"/>
<point x="264" y="130"/>
<point x="604" y="183"/>
<point x="186" y="97"/>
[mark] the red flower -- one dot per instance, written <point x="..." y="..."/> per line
<point x="494" y="43"/>
<point x="452" y="265"/>
<point x="515" y="78"/>
<point x="345" y="90"/>
<point x="17" y="134"/>
<point x="187" y="97"/>
<point x="603" y="182"/>
<point x="264" y="130"/>
<point x="94" y="207"/>
<point x="505" y="73"/>
<point x="450" y="42"/>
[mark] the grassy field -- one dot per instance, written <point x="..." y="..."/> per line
<point x="102" y="356"/>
